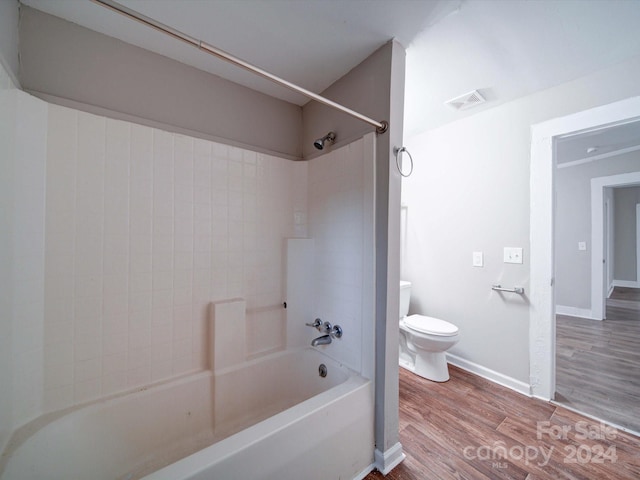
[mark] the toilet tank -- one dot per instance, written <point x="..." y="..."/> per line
<point x="405" y="296"/>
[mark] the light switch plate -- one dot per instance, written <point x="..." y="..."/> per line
<point x="478" y="259"/>
<point x="512" y="255"/>
<point x="582" y="246"/>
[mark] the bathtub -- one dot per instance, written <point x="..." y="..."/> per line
<point x="273" y="417"/>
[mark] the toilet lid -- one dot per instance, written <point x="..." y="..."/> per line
<point x="430" y="325"/>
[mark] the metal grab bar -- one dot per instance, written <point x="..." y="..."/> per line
<point x="499" y="288"/>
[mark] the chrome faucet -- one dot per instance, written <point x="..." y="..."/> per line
<point x="331" y="331"/>
<point x="323" y="340"/>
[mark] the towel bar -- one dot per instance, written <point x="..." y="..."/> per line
<point x="518" y="290"/>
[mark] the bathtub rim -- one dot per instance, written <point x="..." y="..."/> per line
<point x="23" y="433"/>
<point x="223" y="449"/>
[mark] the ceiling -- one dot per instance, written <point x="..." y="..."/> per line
<point x="504" y="48"/>
<point x="598" y="143"/>
<point x="509" y="49"/>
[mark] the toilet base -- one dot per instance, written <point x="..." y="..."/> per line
<point x="429" y="365"/>
<point x="432" y="366"/>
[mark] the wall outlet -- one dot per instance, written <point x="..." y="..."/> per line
<point x="478" y="259"/>
<point x="582" y="246"/>
<point x="512" y="255"/>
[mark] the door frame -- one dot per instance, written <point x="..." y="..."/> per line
<point x="638" y="245"/>
<point x="609" y="253"/>
<point x="598" y="253"/>
<point x="542" y="325"/>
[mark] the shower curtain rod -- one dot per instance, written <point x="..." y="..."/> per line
<point x="381" y="127"/>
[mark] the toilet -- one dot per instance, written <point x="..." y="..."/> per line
<point x="424" y="341"/>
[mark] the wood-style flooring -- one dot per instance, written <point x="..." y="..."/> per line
<point x="454" y="430"/>
<point x="598" y="363"/>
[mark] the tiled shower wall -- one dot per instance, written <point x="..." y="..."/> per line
<point x="23" y="130"/>
<point x="341" y="211"/>
<point x="145" y="228"/>
<point x="7" y="127"/>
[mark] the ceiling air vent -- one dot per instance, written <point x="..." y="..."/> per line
<point x="465" y="101"/>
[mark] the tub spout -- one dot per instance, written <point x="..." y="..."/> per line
<point x="323" y="340"/>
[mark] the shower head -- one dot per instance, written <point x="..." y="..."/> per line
<point x="329" y="137"/>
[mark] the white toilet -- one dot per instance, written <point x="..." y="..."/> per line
<point x="423" y="341"/>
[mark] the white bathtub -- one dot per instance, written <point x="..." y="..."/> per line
<point x="269" y="418"/>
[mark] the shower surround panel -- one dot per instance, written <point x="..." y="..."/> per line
<point x="144" y="228"/>
<point x="23" y="130"/>
<point x="341" y="206"/>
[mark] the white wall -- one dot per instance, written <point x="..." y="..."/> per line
<point x="340" y="206"/>
<point x="625" y="250"/>
<point x="470" y="192"/>
<point x="573" y="225"/>
<point x="144" y="229"/>
<point x="23" y="127"/>
<point x="8" y="114"/>
<point x="9" y="59"/>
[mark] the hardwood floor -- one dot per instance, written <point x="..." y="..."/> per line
<point x="451" y="430"/>
<point x="625" y="293"/>
<point x="597" y="363"/>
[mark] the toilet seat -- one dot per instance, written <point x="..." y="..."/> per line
<point x="430" y="326"/>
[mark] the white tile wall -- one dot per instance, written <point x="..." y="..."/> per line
<point x="126" y="234"/>
<point x="341" y="224"/>
<point x="228" y="334"/>
<point x="28" y="257"/>
<point x="145" y="228"/>
<point x="8" y="112"/>
<point x="23" y="128"/>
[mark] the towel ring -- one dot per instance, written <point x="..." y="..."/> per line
<point x="397" y="152"/>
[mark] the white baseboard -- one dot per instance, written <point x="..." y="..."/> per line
<point x="626" y="283"/>
<point x="610" y="291"/>
<point x="388" y="460"/>
<point x="496" y="377"/>
<point x="575" y="312"/>
<point x="363" y="474"/>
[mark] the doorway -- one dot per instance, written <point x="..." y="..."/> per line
<point x="596" y="356"/>
<point x="542" y="329"/>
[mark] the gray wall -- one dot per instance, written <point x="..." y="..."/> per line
<point x="61" y="59"/>
<point x="9" y="59"/>
<point x="625" y="253"/>
<point x="364" y="89"/>
<point x="484" y="160"/>
<point x="573" y="225"/>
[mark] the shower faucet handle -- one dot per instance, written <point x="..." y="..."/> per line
<point x="336" y="331"/>
<point x="317" y="323"/>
